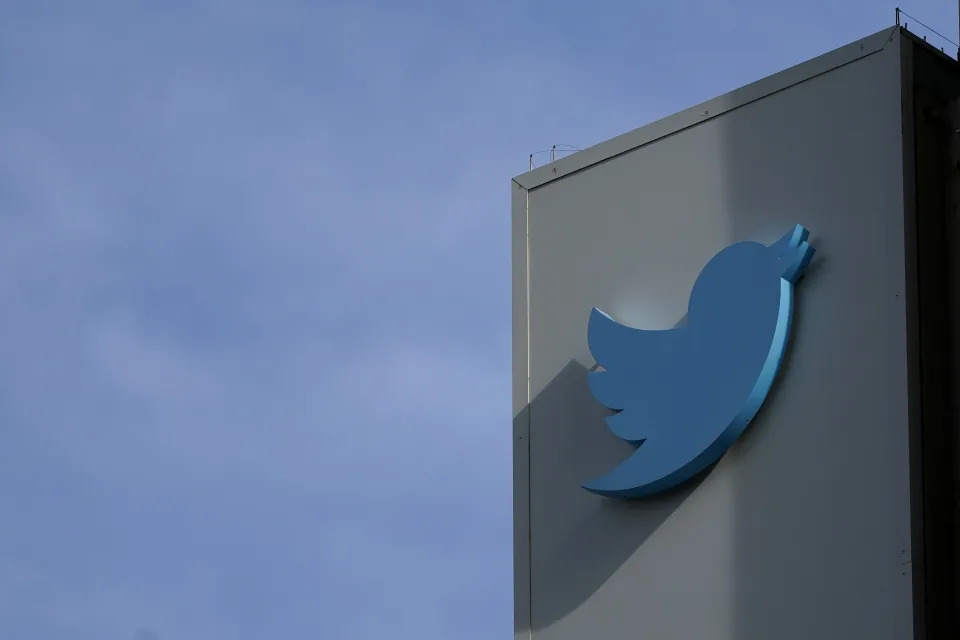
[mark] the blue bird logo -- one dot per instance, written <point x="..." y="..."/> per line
<point x="684" y="395"/>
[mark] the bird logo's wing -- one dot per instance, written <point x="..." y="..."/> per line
<point x="630" y="358"/>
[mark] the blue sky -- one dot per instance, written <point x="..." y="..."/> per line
<point x="254" y="266"/>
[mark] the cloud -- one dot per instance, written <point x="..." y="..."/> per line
<point x="94" y="610"/>
<point x="249" y="321"/>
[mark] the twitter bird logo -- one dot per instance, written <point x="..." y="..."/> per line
<point x="684" y="395"/>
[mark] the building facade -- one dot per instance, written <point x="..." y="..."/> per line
<point x="834" y="514"/>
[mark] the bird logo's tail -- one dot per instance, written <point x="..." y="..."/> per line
<point x="794" y="252"/>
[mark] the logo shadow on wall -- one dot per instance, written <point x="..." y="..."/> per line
<point x="579" y="540"/>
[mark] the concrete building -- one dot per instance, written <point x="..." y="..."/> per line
<point x="834" y="515"/>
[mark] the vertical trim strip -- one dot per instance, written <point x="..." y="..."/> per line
<point x="521" y="356"/>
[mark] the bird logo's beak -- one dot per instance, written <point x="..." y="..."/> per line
<point x="793" y="253"/>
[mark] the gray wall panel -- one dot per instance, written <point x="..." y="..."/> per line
<point x="802" y="529"/>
